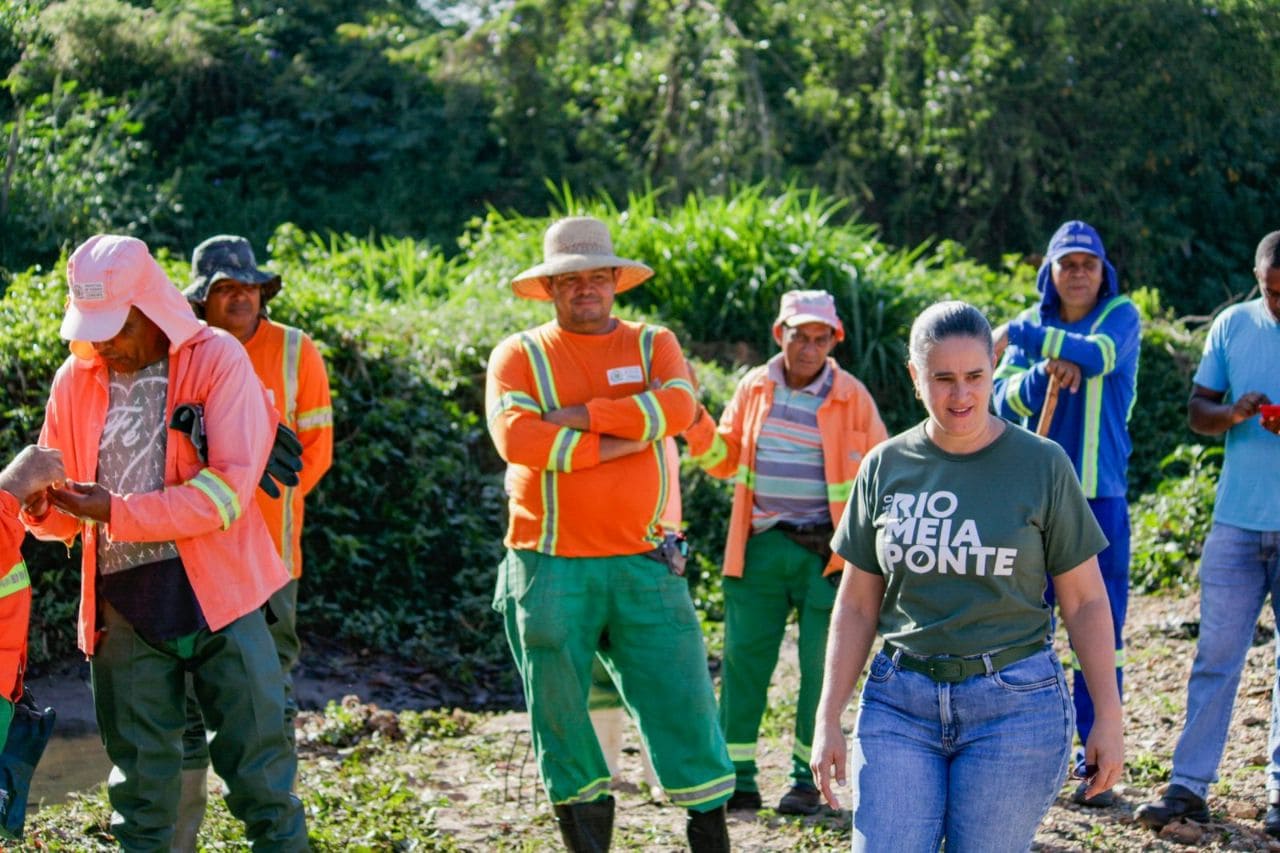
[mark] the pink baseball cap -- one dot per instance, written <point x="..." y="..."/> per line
<point x="807" y="306"/>
<point x="107" y="275"/>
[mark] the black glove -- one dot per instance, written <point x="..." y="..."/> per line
<point x="189" y="420"/>
<point x="284" y="463"/>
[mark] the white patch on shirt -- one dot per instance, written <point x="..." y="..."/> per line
<point x="625" y="375"/>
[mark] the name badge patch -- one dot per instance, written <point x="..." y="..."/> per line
<point x="624" y="375"/>
<point x="89" y="291"/>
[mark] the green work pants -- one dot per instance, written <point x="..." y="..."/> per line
<point x="139" y="694"/>
<point x="779" y="576"/>
<point x="558" y="612"/>
<point x="284" y="632"/>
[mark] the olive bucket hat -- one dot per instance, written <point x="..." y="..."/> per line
<point x="226" y="257"/>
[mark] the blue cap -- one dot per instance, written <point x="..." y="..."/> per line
<point x="1075" y="236"/>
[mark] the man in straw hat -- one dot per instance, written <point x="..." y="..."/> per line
<point x="798" y="427"/>
<point x="177" y="561"/>
<point x="1084" y="336"/>
<point x="579" y="408"/>
<point x="230" y="292"/>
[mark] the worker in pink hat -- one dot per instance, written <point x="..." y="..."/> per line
<point x="793" y="437"/>
<point x="165" y="432"/>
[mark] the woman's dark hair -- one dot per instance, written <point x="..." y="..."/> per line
<point x="944" y="320"/>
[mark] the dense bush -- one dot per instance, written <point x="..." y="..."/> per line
<point x="1169" y="525"/>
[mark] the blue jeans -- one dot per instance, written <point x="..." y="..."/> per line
<point x="1237" y="571"/>
<point x="975" y="763"/>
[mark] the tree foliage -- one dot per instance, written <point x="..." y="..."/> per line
<point x="987" y="122"/>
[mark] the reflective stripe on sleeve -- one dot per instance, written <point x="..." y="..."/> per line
<point x="513" y="400"/>
<point x="838" y="493"/>
<point x="223" y="496"/>
<point x="1013" y="395"/>
<point x="715" y="454"/>
<point x="15" y="581"/>
<point x="655" y="420"/>
<point x="317" y="418"/>
<point x="561" y="456"/>
<point x="1053" y="341"/>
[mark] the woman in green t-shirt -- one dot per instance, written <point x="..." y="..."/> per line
<point x="965" y="723"/>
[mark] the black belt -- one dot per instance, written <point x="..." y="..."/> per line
<point x="811" y="527"/>
<point x="952" y="669"/>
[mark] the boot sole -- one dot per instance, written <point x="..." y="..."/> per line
<point x="1160" y="822"/>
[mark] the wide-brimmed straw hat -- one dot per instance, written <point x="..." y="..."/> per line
<point x="573" y="245"/>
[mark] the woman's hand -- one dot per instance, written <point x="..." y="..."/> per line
<point x="1105" y="750"/>
<point x="829" y="760"/>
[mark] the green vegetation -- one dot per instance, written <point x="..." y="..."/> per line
<point x="987" y="122"/>
<point x="1171" y="523"/>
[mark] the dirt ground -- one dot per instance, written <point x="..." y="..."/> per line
<point x="491" y="799"/>
<point x="479" y="791"/>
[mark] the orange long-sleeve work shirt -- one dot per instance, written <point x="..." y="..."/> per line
<point x="563" y="500"/>
<point x="15" y="601"/>
<point x="294" y="375"/>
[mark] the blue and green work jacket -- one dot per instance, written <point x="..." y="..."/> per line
<point x="1092" y="424"/>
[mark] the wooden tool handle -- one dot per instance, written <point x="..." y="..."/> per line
<point x="1046" y="411"/>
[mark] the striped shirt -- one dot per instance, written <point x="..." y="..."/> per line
<point x="791" y="482"/>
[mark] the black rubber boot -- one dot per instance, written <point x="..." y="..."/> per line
<point x="707" y="831"/>
<point x="1271" y="823"/>
<point x="586" y="827"/>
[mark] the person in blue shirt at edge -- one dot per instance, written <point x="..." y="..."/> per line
<point x="1085" y="334"/>
<point x="1231" y="394"/>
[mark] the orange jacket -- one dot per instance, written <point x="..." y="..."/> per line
<point x="15" y="601"/>
<point x="848" y="421"/>
<point x="207" y="509"/>
<point x="293" y="373"/>
<point x="563" y="499"/>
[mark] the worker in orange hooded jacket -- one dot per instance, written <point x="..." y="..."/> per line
<point x="177" y="561"/>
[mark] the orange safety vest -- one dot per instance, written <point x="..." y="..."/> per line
<point x="297" y="384"/>
<point x="15" y="600"/>
<point x="848" y="422"/>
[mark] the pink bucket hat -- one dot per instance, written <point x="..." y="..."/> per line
<point x="573" y="245"/>
<point x="807" y="306"/>
<point x="108" y="274"/>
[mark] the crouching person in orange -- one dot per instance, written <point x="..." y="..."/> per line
<point x="23" y="480"/>
<point x="177" y="561"/>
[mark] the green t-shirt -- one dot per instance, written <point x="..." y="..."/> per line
<point x="965" y="541"/>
